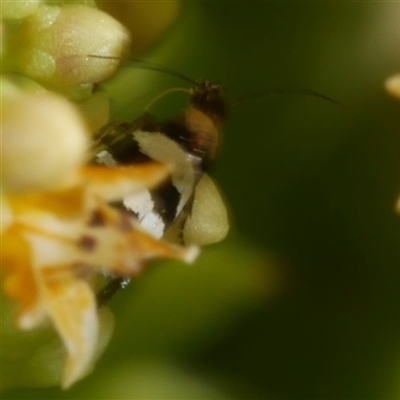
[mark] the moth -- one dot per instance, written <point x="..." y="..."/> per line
<point x="189" y="143"/>
<point x="187" y="208"/>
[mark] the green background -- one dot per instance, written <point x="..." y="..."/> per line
<point x="302" y="301"/>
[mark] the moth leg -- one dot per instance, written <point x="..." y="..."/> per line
<point x="110" y="289"/>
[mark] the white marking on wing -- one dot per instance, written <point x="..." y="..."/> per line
<point x="163" y="149"/>
<point x="105" y="158"/>
<point x="143" y="205"/>
<point x="153" y="224"/>
<point x="140" y="203"/>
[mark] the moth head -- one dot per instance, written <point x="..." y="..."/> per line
<point x="207" y="96"/>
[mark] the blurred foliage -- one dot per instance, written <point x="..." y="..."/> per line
<point x="302" y="301"/>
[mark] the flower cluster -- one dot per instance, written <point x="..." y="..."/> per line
<point x="59" y="233"/>
<point x="55" y="242"/>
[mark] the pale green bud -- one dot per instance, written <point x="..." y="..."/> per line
<point x="53" y="45"/>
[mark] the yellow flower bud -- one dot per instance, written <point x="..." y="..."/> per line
<point x="392" y="85"/>
<point x="43" y="139"/>
<point x="146" y="20"/>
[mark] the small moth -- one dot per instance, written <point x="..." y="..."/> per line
<point x="189" y="143"/>
<point x="187" y="208"/>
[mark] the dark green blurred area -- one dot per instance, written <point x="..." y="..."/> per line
<point x="312" y="188"/>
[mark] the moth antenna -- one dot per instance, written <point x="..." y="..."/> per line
<point x="164" y="93"/>
<point x="148" y="65"/>
<point x="284" y="91"/>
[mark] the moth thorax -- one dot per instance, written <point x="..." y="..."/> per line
<point x="205" y="134"/>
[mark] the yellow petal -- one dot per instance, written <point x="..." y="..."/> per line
<point x="150" y="248"/>
<point x="19" y="282"/>
<point x="65" y="203"/>
<point x="71" y="304"/>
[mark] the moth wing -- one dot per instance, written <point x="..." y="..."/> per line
<point x="116" y="131"/>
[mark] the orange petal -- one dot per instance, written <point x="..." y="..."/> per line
<point x="65" y="203"/>
<point x="19" y="281"/>
<point x="114" y="183"/>
<point x="71" y="304"/>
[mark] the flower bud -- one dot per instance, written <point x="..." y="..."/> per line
<point x="53" y="45"/>
<point x="43" y="139"/>
<point x="392" y="85"/>
<point x="146" y="20"/>
<point x="18" y="9"/>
